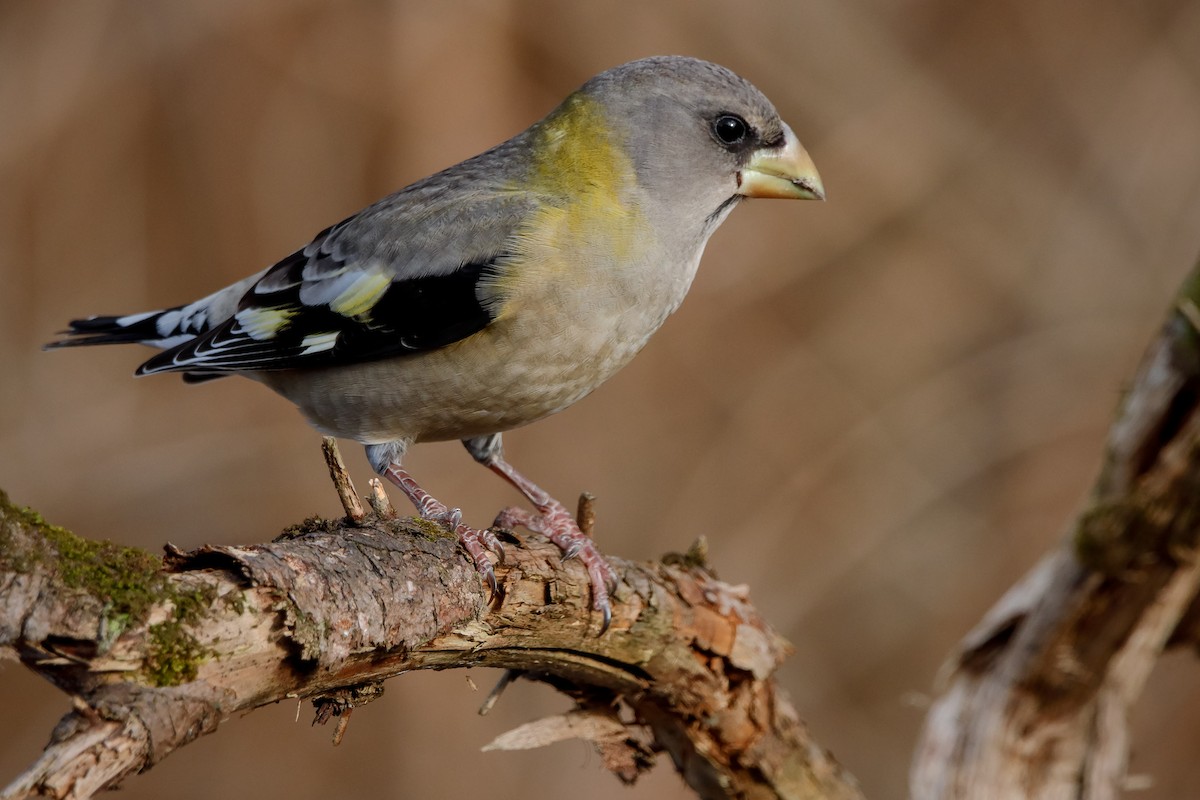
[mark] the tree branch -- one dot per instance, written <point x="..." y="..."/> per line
<point x="156" y="654"/>
<point x="1037" y="697"/>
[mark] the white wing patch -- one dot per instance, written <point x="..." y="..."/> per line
<point x="133" y="319"/>
<point x="318" y="342"/>
<point x="189" y="319"/>
<point x="261" y="324"/>
<point x="168" y="323"/>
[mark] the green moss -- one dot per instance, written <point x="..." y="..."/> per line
<point x="190" y="605"/>
<point x="428" y="528"/>
<point x="174" y="655"/>
<point x="236" y="602"/>
<point x="127" y="579"/>
<point x="129" y="582"/>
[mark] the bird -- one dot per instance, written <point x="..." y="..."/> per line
<point x="498" y="291"/>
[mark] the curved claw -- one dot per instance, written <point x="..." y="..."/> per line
<point x="451" y="518"/>
<point x="553" y="520"/>
<point x="601" y="576"/>
<point x="477" y="543"/>
<point x="606" y="619"/>
<point x="492" y="542"/>
<point x="489" y="575"/>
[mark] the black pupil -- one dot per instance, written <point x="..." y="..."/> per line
<point x="730" y="129"/>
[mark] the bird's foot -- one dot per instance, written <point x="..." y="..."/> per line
<point x="556" y="523"/>
<point x="477" y="543"/>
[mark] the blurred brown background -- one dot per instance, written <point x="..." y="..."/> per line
<point x="881" y="410"/>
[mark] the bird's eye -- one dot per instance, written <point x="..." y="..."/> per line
<point x="730" y="129"/>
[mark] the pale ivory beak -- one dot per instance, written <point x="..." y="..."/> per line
<point x="784" y="173"/>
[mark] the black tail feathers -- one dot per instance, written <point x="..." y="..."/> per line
<point x="128" y="329"/>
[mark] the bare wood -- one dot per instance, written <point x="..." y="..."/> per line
<point x="1037" y="697"/>
<point x="330" y="610"/>
<point x="381" y="504"/>
<point x="341" y="480"/>
<point x="585" y="514"/>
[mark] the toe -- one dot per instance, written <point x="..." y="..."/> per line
<point x="492" y="542"/>
<point x="477" y="543"/>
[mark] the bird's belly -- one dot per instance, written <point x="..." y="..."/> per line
<point x="498" y="379"/>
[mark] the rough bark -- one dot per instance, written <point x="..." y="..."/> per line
<point x="1037" y="697"/>
<point x="156" y="653"/>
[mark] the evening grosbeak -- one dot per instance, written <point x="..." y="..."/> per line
<point x="500" y="290"/>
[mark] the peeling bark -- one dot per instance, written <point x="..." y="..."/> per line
<point x="330" y="610"/>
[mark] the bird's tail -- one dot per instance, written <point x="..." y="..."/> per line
<point x="162" y="329"/>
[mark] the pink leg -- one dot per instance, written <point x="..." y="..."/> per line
<point x="476" y="542"/>
<point x="554" y="521"/>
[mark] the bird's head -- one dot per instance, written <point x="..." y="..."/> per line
<point x="697" y="136"/>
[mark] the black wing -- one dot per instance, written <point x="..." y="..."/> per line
<point x="315" y="308"/>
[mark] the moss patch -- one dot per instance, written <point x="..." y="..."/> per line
<point x="428" y="528"/>
<point x="174" y="655"/>
<point x="129" y="578"/>
<point x="236" y="601"/>
<point x="126" y="579"/>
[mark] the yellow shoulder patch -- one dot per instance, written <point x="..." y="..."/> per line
<point x="582" y="170"/>
<point x="587" y="221"/>
<point x="575" y="152"/>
